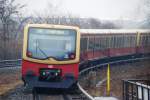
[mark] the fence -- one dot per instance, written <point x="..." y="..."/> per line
<point x="10" y="63"/>
<point x="94" y="80"/>
<point x="136" y="89"/>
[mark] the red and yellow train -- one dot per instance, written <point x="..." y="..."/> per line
<point x="52" y="53"/>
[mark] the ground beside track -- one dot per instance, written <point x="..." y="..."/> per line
<point x="10" y="78"/>
<point x="92" y="83"/>
<point x="11" y="86"/>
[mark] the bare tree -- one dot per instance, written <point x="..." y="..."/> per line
<point x="8" y="9"/>
<point x="148" y="13"/>
<point x="95" y="23"/>
<point x="145" y="6"/>
<point x="52" y="15"/>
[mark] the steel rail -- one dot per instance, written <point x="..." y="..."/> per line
<point x="103" y="64"/>
<point x="10" y="63"/>
<point x="113" y="62"/>
<point x="17" y="62"/>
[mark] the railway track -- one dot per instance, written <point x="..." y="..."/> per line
<point x="58" y="97"/>
<point x="10" y="63"/>
<point x="63" y="95"/>
<point x="80" y="94"/>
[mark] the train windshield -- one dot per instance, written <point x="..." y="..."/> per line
<point x="44" y="43"/>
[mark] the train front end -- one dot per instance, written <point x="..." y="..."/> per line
<point x="50" y="56"/>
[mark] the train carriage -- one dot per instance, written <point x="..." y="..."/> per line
<point x="52" y="53"/>
<point x="101" y="43"/>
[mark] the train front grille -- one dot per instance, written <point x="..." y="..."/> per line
<point x="51" y="75"/>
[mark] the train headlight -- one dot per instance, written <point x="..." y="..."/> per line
<point x="56" y="73"/>
<point x="43" y="73"/>
<point x="29" y="54"/>
<point x="72" y="56"/>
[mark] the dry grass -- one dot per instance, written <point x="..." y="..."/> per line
<point x="9" y="80"/>
<point x="139" y="70"/>
<point x="5" y="88"/>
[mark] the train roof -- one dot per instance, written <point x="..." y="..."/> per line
<point x="111" y="31"/>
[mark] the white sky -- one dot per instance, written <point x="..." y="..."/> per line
<point x="102" y="9"/>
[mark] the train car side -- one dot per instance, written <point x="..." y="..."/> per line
<point x="113" y="43"/>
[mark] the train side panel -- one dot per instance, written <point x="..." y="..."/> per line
<point x="101" y="45"/>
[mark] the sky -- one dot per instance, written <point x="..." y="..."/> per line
<point x="101" y="9"/>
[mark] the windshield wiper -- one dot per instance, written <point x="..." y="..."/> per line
<point x="42" y="51"/>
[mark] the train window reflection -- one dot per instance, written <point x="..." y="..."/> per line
<point x="51" y="43"/>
